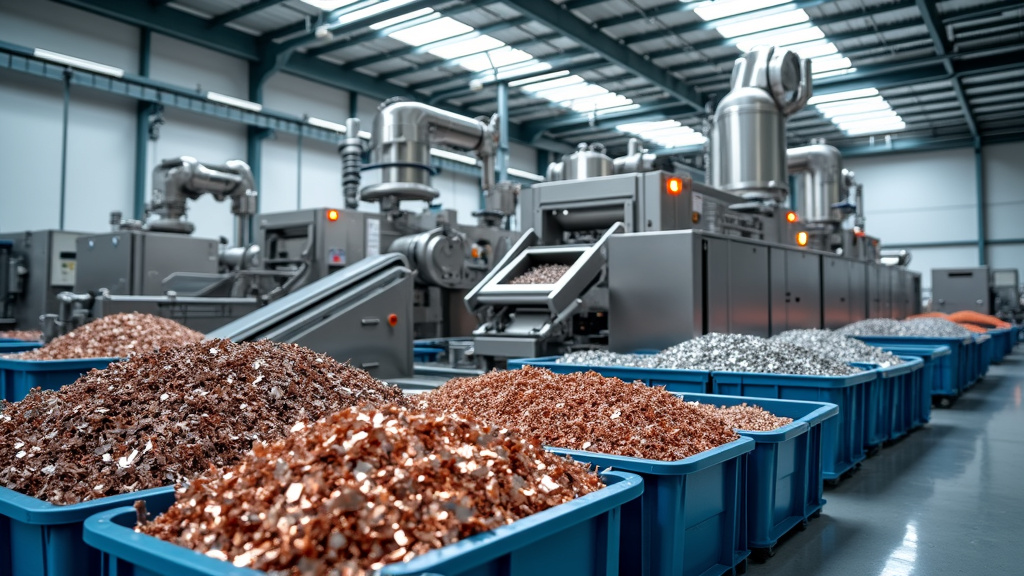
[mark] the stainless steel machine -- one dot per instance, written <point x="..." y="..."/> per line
<point x="956" y="289"/>
<point x="1006" y="294"/>
<point x="39" y="265"/>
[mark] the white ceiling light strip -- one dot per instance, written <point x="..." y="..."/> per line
<point x="781" y="23"/>
<point x="665" y="133"/>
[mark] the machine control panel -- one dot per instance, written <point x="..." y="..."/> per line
<point x="63" y="256"/>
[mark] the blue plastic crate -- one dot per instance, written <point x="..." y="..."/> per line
<point x="578" y="537"/>
<point x="785" y="486"/>
<point x="17" y="377"/>
<point x="690" y="519"/>
<point x="42" y="539"/>
<point x="9" y="346"/>
<point x="878" y="408"/>
<point x="842" y="436"/>
<point x="672" y="380"/>
<point x="949" y="388"/>
<point x="986" y="343"/>
<point x="426" y="353"/>
<point x="907" y="388"/>
<point x="1002" y="342"/>
<point x="936" y="373"/>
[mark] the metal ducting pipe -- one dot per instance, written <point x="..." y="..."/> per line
<point x="820" y="171"/>
<point x="748" y="135"/>
<point x="894" y="257"/>
<point x="403" y="133"/>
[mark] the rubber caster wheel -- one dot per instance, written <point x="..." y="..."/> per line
<point x="761" y="555"/>
<point x="945" y="402"/>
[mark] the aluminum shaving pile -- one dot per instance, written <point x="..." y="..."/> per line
<point x="839" y="347"/>
<point x="541" y="274"/>
<point x="926" y="327"/>
<point x="752" y="418"/>
<point x="115" y="336"/>
<point x="26" y="335"/>
<point x="367" y="487"/>
<point x="725" y="353"/>
<point x="164" y="417"/>
<point x="586" y="411"/>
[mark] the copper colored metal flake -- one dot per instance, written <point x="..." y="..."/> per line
<point x="366" y="487"/>
<point x="115" y="336"/>
<point x="542" y="274"/>
<point x="26" y="335"/>
<point x="163" y="417"/>
<point x="752" y="418"/>
<point x="586" y="411"/>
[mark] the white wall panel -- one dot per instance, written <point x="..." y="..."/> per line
<point x="924" y="259"/>
<point x="280" y="170"/>
<point x="1004" y="191"/>
<point x="191" y="66"/>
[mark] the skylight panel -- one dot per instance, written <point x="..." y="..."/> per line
<point x="402" y="18"/>
<point x="328" y="5"/>
<point x="439" y="29"/>
<point x="725" y="8"/>
<point x="474" y="45"/>
<point x="369" y="11"/>
<point x="539" y="78"/>
<point x="754" y="25"/>
<point x="783" y="37"/>
<point x="815" y="49"/>
<point x="839" y="96"/>
<point x="829" y="63"/>
<point x="866" y="128"/>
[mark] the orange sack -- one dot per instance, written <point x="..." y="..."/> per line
<point x="972" y="317"/>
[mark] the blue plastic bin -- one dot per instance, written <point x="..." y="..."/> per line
<point x="784" y="473"/>
<point x="690" y="519"/>
<point x="672" y="380"/>
<point x="1002" y="342"/>
<point x="985" y="345"/>
<point x="426" y="353"/>
<point x="950" y="388"/>
<point x="17" y="377"/>
<point x="9" y="346"/>
<point x="936" y="373"/>
<point x="879" y="403"/>
<point x="907" y="388"/>
<point x="42" y="539"/>
<point x="842" y="436"/>
<point x="579" y="537"/>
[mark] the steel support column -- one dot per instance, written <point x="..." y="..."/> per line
<point x="979" y="175"/>
<point x="143" y="112"/>
<point x="64" y="148"/>
<point x="503" y="148"/>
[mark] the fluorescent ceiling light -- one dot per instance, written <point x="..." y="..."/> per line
<point x="525" y="175"/>
<point x="79" y="63"/>
<point x="328" y="5"/>
<point x="232" y="101"/>
<point x="525" y="68"/>
<point x="326" y="124"/>
<point x="876" y="115"/>
<point x="754" y="25"/>
<point x="869" y="103"/>
<point x="461" y="158"/>
<point x="431" y="31"/>
<point x="837" y="96"/>
<point x="798" y="34"/>
<point x="364" y="13"/>
<point x="860" y="129"/>
<point x="402" y="18"/>
<point x="814" y="49"/>
<point x="539" y="78"/>
<point x="632" y="106"/>
<point x="833" y="73"/>
<point x="725" y="8"/>
<point x="548" y="84"/>
<point x="829" y="63"/>
<point x="471" y="45"/>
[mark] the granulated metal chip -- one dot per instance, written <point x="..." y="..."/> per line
<point x="838" y="347"/>
<point x="26" y="335"/>
<point x="115" y="336"/>
<point x="163" y="417"/>
<point x="366" y="487"/>
<point x="542" y="274"/>
<point x="585" y="411"/>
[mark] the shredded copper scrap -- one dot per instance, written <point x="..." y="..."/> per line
<point x="752" y="418"/>
<point x="541" y="274"/>
<point x="115" y="336"/>
<point x="26" y="335"/>
<point x="367" y="487"/>
<point x="586" y="411"/>
<point x="163" y="417"/>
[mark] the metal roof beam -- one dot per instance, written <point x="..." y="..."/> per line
<point x="931" y="21"/>
<point x="568" y="122"/>
<point x="673" y="7"/>
<point x="558" y="18"/>
<point x="440" y="62"/>
<point x="488" y="76"/>
<point x="242" y="12"/>
<point x="425" y="48"/>
<point x="466" y="77"/>
<point x="351" y="27"/>
<point x="991" y="11"/>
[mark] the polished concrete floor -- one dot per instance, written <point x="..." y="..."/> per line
<point x="947" y="499"/>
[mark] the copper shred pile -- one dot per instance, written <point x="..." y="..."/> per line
<point x="367" y="487"/>
<point x="165" y="417"/>
<point x="586" y="411"/>
<point x="26" y="335"/>
<point x="115" y="336"/>
<point x="541" y="274"/>
<point x="752" y="418"/>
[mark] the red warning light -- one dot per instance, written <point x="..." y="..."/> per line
<point x="392" y="320"/>
<point x="332" y="215"/>
<point x="674" y="186"/>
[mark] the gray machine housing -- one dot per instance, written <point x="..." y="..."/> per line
<point x="133" y="262"/>
<point x="41" y="264"/>
<point x="666" y="287"/>
<point x="956" y="289"/>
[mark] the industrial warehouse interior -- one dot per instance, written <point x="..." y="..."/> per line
<point x="511" y="287"/>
